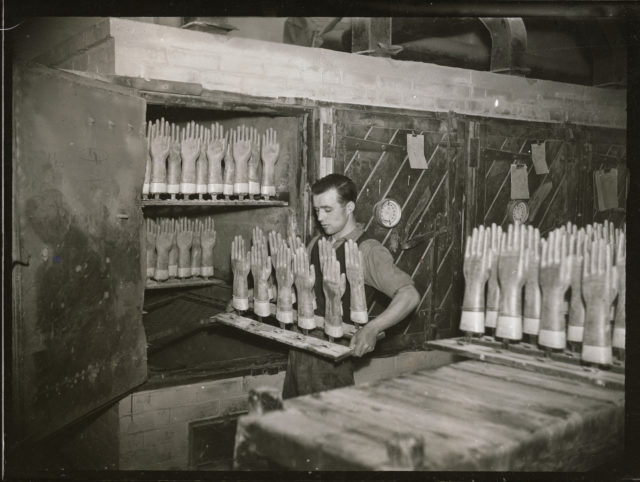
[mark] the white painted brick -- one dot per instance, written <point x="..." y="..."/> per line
<point x="389" y="98"/>
<point x="218" y="389"/>
<point x="131" y="442"/>
<point x="240" y="65"/>
<point x="311" y="75"/>
<point x="159" y="436"/>
<point x="124" y="406"/>
<point x="146" y="457"/>
<point x="163" y="398"/>
<point x="154" y="70"/>
<point x="389" y="82"/>
<point x="282" y="71"/>
<point x="340" y="71"/>
<point x="197" y="411"/>
<point x="188" y="57"/>
<point x="331" y="76"/>
<point x="362" y="79"/>
<point x="216" y="80"/>
<point x="144" y="421"/>
<point x="273" y="381"/>
<point x="150" y="54"/>
<point x="234" y="405"/>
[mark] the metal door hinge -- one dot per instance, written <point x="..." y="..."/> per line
<point x="328" y="143"/>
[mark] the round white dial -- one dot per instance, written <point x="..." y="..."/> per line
<point x="519" y="211"/>
<point x="388" y="213"/>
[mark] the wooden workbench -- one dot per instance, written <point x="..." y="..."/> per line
<point x="470" y="415"/>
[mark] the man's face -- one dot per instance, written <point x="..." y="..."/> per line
<point x="331" y="214"/>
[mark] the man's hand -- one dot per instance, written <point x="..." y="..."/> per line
<point x="364" y="340"/>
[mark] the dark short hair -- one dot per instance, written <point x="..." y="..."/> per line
<point x="345" y="187"/>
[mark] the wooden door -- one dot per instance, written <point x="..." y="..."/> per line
<point x="565" y="193"/>
<point x="77" y="337"/>
<point x="372" y="150"/>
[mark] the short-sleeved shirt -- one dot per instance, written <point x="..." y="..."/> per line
<point x="310" y="373"/>
<point x="379" y="270"/>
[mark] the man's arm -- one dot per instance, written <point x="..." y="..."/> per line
<point x="402" y="304"/>
<point x="381" y="273"/>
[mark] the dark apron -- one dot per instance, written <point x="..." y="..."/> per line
<point x="309" y="373"/>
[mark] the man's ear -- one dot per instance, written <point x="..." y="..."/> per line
<point x="350" y="207"/>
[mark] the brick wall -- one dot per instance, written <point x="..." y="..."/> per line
<point x="154" y="424"/>
<point x="270" y="69"/>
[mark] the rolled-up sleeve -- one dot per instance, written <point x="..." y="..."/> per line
<point x="379" y="270"/>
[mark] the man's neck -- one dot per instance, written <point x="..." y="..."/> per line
<point x="350" y="226"/>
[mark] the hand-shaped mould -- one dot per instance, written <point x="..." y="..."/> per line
<point x="555" y="278"/>
<point x="476" y="269"/>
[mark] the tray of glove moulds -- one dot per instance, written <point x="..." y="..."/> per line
<point x="530" y="357"/>
<point x="313" y="342"/>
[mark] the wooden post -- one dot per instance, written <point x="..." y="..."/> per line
<point x="406" y="451"/>
<point x="245" y="456"/>
<point x="369" y="34"/>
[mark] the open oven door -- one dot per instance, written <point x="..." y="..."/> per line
<point x="78" y="342"/>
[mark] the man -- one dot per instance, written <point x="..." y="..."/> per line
<point x="334" y="202"/>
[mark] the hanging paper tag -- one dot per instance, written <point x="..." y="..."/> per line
<point x="538" y="156"/>
<point x="415" y="149"/>
<point x="519" y="182"/>
<point x="606" y="184"/>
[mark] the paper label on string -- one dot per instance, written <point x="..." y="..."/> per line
<point x="538" y="156"/>
<point x="415" y="150"/>
<point x="519" y="182"/>
<point x="606" y="184"/>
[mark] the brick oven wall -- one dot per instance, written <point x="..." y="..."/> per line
<point x="288" y="72"/>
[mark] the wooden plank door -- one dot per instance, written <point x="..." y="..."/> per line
<point x="372" y="150"/>
<point x="78" y="341"/>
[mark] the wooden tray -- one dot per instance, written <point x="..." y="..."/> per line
<point x="493" y="352"/>
<point x="319" y="346"/>
<point x="183" y="283"/>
